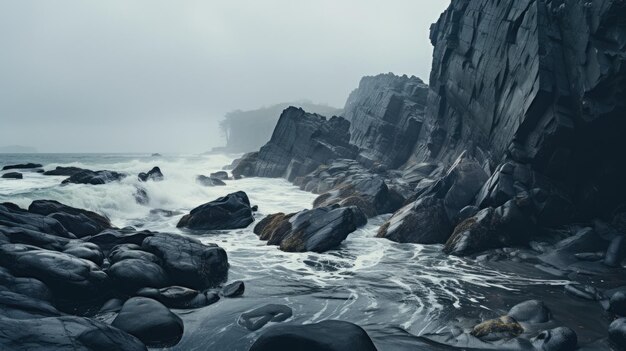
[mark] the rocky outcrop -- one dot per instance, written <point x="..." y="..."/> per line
<point x="94" y="177"/>
<point x="536" y="82"/>
<point x="386" y="113"/>
<point x="209" y="181"/>
<point x="78" y="221"/>
<point x="232" y="211"/>
<point x="22" y="166"/>
<point x="13" y="175"/>
<point x="317" y="230"/>
<point x="63" y="171"/>
<point x="149" y="321"/>
<point x="301" y="142"/>
<point x="154" y="174"/>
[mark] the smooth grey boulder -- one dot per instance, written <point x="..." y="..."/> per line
<point x="318" y="230"/>
<point x="531" y="311"/>
<point x="187" y="261"/>
<point x="19" y="306"/>
<point x="132" y="274"/>
<point x="424" y="221"/>
<point x="259" y="317"/>
<point x="78" y="221"/>
<point x="180" y="297"/>
<point x="25" y="286"/>
<point x="233" y="289"/>
<point x="617" y="333"/>
<point x="94" y="177"/>
<point x="557" y="339"/>
<point x="229" y="212"/>
<point x="328" y="335"/>
<point x="149" y="321"/>
<point x="12" y="215"/>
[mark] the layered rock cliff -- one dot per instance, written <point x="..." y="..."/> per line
<point x="537" y="82"/>
<point x="386" y="114"/>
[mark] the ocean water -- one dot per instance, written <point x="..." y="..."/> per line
<point x="397" y="292"/>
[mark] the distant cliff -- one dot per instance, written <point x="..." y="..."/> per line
<point x="386" y="114"/>
<point x="249" y="130"/>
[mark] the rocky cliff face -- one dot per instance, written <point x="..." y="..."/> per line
<point x="386" y="114"/>
<point x="301" y="142"/>
<point x="534" y="81"/>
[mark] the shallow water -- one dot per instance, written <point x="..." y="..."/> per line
<point x="395" y="291"/>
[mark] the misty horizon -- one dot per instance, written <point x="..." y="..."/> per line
<point x="125" y="77"/>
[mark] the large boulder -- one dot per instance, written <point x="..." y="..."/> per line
<point x="24" y="286"/>
<point x="13" y="175"/>
<point x="424" y="221"/>
<point x="78" y="221"/>
<point x="301" y="142"/>
<point x="149" y="321"/>
<point x="229" y="212"/>
<point x="13" y="216"/>
<point x="132" y="274"/>
<point x="64" y="333"/>
<point x="63" y="171"/>
<point x="318" y="230"/>
<point x="386" y="114"/>
<point x="22" y="166"/>
<point x="94" y="177"/>
<point x="110" y="238"/>
<point x="328" y="335"/>
<point x="68" y="277"/>
<point x="187" y="261"/>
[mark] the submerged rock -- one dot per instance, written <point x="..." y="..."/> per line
<point x="149" y="321"/>
<point x="22" y="166"/>
<point x="233" y="289"/>
<point x="63" y="171"/>
<point x="229" y="212"/>
<point x="318" y="230"/>
<point x="221" y="175"/>
<point x="154" y="174"/>
<point x="180" y="297"/>
<point x="209" y="181"/>
<point x="323" y="336"/>
<point x="13" y="175"/>
<point x="259" y="317"/>
<point x="94" y="177"/>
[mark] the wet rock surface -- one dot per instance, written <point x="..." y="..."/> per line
<point x="13" y="175"/>
<point x="154" y="174"/>
<point x="149" y="321"/>
<point x="93" y="177"/>
<point x="229" y="212"/>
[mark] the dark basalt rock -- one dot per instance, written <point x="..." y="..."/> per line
<point x="68" y="277"/>
<point x="386" y="114"/>
<point x="490" y="228"/>
<point x="87" y="251"/>
<point x="318" y="230"/>
<point x="64" y="171"/>
<point x="180" y="297"/>
<point x="617" y="303"/>
<point x="221" y="175"/>
<point x="94" y="177"/>
<point x="617" y="333"/>
<point x="531" y="311"/>
<point x="131" y="251"/>
<point x="19" y="235"/>
<point x="13" y="216"/>
<point x="187" y="261"/>
<point x="110" y="238"/>
<point x="149" y="321"/>
<point x="18" y="306"/>
<point x="229" y="212"/>
<point x="22" y="166"/>
<point x="209" y="181"/>
<point x="78" y="221"/>
<point x="31" y="287"/>
<point x="324" y="336"/>
<point x="13" y="175"/>
<point x="424" y="221"/>
<point x="557" y="339"/>
<point x="154" y="174"/>
<point x="535" y="82"/>
<point x="301" y="142"/>
<point x="64" y="333"/>
<point x="132" y="274"/>
<point x="233" y="289"/>
<point x="259" y="317"/>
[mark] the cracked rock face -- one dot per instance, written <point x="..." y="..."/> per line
<point x="537" y="82"/>
<point x="386" y="113"/>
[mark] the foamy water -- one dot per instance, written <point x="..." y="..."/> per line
<point x="373" y="282"/>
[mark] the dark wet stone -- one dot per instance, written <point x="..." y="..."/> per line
<point x="221" y="175"/>
<point x="68" y="277"/>
<point x="557" y="339"/>
<point x="154" y="174"/>
<point x="22" y="166"/>
<point x="180" y="297"/>
<point x="13" y="175"/>
<point x="19" y="306"/>
<point x="110" y="238"/>
<point x="19" y="235"/>
<point x="187" y="261"/>
<point x="504" y="327"/>
<point x="617" y="303"/>
<point x="78" y="221"/>
<point x="259" y="317"/>
<point x="64" y="333"/>
<point x="112" y="305"/>
<point x="87" y="251"/>
<point x="94" y="177"/>
<point x="318" y="230"/>
<point x="617" y="333"/>
<point x="423" y="222"/>
<point x="209" y="181"/>
<point x="233" y="289"/>
<point x="131" y="251"/>
<point x="132" y="274"/>
<point x="616" y="251"/>
<point x="149" y="321"/>
<point x="585" y="292"/>
<point x="13" y="216"/>
<point x="531" y="311"/>
<point x="64" y="171"/>
<point x="328" y="335"/>
<point x="25" y="286"/>
<point x="229" y="212"/>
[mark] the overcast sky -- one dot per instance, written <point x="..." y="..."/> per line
<point x="156" y="76"/>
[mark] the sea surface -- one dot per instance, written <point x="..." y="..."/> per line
<point x="397" y="292"/>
